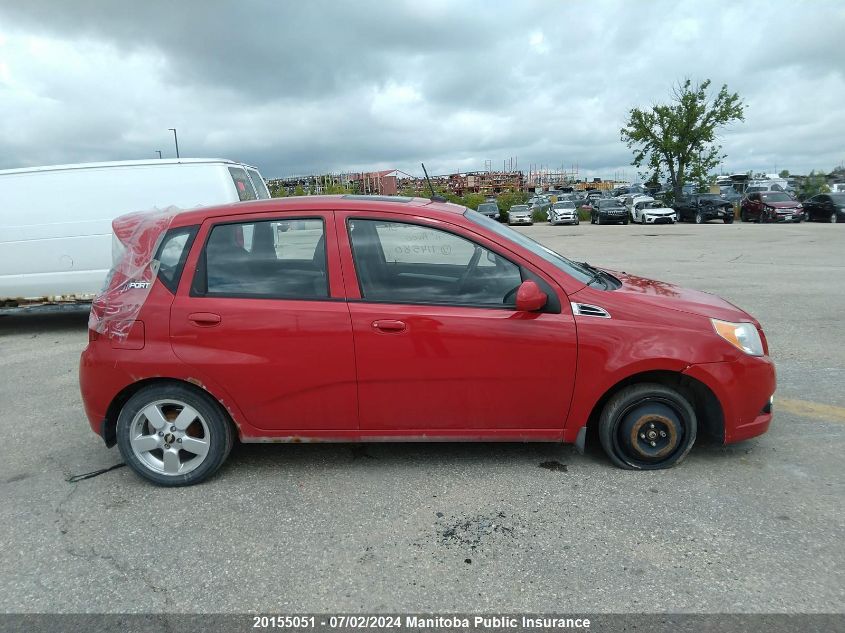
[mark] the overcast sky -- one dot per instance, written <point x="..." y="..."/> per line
<point x="314" y="86"/>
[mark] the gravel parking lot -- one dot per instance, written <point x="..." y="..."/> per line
<point x="755" y="527"/>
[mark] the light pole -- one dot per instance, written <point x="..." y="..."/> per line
<point x="175" y="140"/>
<point x="159" y="153"/>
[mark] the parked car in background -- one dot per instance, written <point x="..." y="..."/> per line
<point x="652" y="212"/>
<point x="730" y="194"/>
<point x="347" y="327"/>
<point x="827" y="207"/>
<point x="490" y="209"/>
<point x="703" y="207"/>
<point x="632" y="199"/>
<point x="563" y="213"/>
<point x="770" y="206"/>
<point x="609" y="211"/>
<point x="520" y="214"/>
<point x="55" y="221"/>
<point x="539" y="203"/>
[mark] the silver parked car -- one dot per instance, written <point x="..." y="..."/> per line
<point x="490" y="209"/>
<point x="520" y="214"/>
<point x="563" y="213"/>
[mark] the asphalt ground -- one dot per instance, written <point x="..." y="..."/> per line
<point x="754" y="527"/>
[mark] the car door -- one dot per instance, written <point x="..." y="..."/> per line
<point x="439" y="346"/>
<point x="264" y="317"/>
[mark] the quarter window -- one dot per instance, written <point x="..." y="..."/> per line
<point x="242" y="184"/>
<point x="410" y="263"/>
<point x="273" y="259"/>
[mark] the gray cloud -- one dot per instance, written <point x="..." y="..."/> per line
<point x="298" y="87"/>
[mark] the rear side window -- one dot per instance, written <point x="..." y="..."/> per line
<point x="260" y="186"/>
<point x="172" y="253"/>
<point x="273" y="259"/>
<point x="242" y="184"/>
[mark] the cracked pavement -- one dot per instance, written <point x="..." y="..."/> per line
<point x="754" y="527"/>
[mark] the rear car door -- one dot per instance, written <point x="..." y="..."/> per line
<point x="264" y="317"/>
<point x="439" y="346"/>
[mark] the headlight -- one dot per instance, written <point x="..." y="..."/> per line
<point x="743" y="336"/>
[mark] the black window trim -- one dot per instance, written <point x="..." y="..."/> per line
<point x="552" y="305"/>
<point x="201" y="269"/>
<point x="173" y="284"/>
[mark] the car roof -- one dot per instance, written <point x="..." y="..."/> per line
<point x="296" y="204"/>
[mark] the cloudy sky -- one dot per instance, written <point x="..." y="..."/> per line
<point x="333" y="85"/>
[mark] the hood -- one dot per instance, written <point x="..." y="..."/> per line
<point x="789" y="204"/>
<point x="663" y="295"/>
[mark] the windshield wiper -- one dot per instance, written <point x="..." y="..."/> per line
<point x="596" y="276"/>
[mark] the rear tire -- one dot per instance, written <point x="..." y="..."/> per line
<point x="729" y="219"/>
<point x="168" y="448"/>
<point x="833" y="218"/>
<point x="647" y="427"/>
<point x="699" y="218"/>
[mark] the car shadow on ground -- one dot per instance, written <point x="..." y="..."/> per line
<point x="52" y="319"/>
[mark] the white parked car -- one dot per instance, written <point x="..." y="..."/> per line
<point x="634" y="199"/>
<point x="652" y="212"/>
<point x="563" y="213"/>
<point x="56" y="221"/>
<point x="520" y="214"/>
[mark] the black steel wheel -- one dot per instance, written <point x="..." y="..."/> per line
<point x="647" y="427"/>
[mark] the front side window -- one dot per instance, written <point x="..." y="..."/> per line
<point x="398" y="262"/>
<point x="243" y="185"/>
<point x="272" y="259"/>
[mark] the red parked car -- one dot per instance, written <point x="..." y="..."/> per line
<point x="770" y="206"/>
<point x="361" y="318"/>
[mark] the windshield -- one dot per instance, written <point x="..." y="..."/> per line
<point x="775" y="197"/>
<point x="710" y="196"/>
<point x="560" y="262"/>
<point x="564" y="205"/>
<point x="519" y="207"/>
<point x="488" y="206"/>
<point x="607" y="203"/>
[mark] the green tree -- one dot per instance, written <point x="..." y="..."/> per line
<point x="679" y="138"/>
<point x="299" y="191"/>
<point x="279" y="191"/>
<point x="784" y="173"/>
<point x="472" y="200"/>
<point x="813" y="185"/>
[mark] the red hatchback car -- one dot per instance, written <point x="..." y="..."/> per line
<point x="362" y="318"/>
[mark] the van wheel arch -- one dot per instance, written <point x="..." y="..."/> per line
<point x="110" y="422"/>
<point x="705" y="404"/>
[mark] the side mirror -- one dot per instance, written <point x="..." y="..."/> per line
<point x="529" y="297"/>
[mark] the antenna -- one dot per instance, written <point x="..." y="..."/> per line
<point x="434" y="196"/>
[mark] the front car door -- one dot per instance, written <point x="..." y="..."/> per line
<point x="264" y="317"/>
<point x="440" y="349"/>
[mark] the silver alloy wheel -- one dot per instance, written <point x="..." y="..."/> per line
<point x="833" y="218"/>
<point x="169" y="437"/>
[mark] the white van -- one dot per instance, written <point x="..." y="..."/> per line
<point x="55" y="222"/>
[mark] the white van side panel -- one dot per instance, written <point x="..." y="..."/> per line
<point x="55" y="226"/>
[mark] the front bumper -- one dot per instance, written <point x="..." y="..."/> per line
<point x="744" y="388"/>
<point x="659" y="219"/>
<point x="519" y="220"/>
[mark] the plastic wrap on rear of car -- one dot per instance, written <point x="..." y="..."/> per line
<point x="115" y="309"/>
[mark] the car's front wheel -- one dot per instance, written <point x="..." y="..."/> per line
<point x="647" y="427"/>
<point x="172" y="435"/>
<point x="699" y="218"/>
<point x="833" y="218"/>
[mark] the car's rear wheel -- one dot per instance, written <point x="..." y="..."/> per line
<point x="647" y="427"/>
<point x="172" y="435"/>
<point x="833" y="218"/>
<point x="729" y="219"/>
<point x="699" y="218"/>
